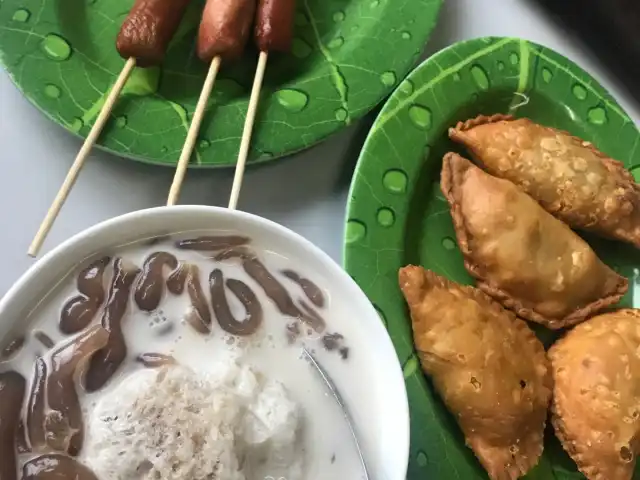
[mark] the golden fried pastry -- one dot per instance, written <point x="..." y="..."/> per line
<point x="570" y="178"/>
<point x="596" y="402"/>
<point x="488" y="366"/>
<point x="521" y="255"/>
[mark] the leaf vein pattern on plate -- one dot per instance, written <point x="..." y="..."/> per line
<point x="337" y="77"/>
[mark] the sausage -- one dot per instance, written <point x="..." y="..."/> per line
<point x="224" y="29"/>
<point x="148" y="29"/>
<point x="274" y="25"/>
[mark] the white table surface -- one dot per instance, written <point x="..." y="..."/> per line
<point x="306" y="192"/>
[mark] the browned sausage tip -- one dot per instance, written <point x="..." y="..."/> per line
<point x="224" y="29"/>
<point x="274" y="25"/>
<point x="148" y="29"/>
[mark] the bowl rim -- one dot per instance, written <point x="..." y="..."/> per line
<point x="87" y="235"/>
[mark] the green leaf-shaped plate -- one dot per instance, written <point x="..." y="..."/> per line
<point x="397" y="214"/>
<point x="346" y="57"/>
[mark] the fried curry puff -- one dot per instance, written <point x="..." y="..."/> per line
<point x="488" y="366"/>
<point x="596" y="406"/>
<point x="569" y="177"/>
<point x="522" y="256"/>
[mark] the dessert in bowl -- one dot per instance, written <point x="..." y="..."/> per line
<point x="167" y="343"/>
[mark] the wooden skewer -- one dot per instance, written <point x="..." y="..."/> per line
<point x="245" y="143"/>
<point x="192" y="134"/>
<point x="78" y="163"/>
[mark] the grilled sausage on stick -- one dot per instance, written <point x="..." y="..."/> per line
<point x="274" y="25"/>
<point x="143" y="40"/>
<point x="273" y="33"/>
<point x="222" y="37"/>
<point x="146" y="32"/>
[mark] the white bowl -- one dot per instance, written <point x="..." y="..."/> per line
<point x="386" y="421"/>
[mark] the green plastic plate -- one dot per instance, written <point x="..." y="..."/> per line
<point x="397" y="214"/>
<point x="346" y="57"/>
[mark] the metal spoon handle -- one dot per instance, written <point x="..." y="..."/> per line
<point x="347" y="415"/>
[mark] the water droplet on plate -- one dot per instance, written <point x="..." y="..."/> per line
<point x="480" y="77"/>
<point x="406" y="87"/>
<point x="386" y="217"/>
<point x="292" y="100"/>
<point x="76" y="125"/>
<point x="449" y="243"/>
<point x="204" y="143"/>
<point x="55" y="47"/>
<point x="547" y="75"/>
<point x="579" y="92"/>
<point x="500" y="66"/>
<point x="406" y="35"/>
<point x="300" y="48"/>
<point x="514" y="58"/>
<point x="121" y="121"/>
<point x="422" y="459"/>
<point x="388" y="79"/>
<point x="410" y="366"/>
<point x="164" y="149"/>
<point x="336" y="43"/>
<point x="395" y="181"/>
<point x="52" y="91"/>
<point x="597" y="115"/>
<point x="21" y="15"/>
<point x="341" y="114"/>
<point x="338" y="16"/>
<point x="355" y="231"/>
<point x="420" y="116"/>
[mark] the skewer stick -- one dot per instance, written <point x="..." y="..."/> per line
<point x="78" y="163"/>
<point x="194" y="128"/>
<point x="248" y="130"/>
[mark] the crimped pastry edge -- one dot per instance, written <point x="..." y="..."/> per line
<point x="521" y="465"/>
<point x="571" y="444"/>
<point x="451" y="172"/>
<point x="458" y="135"/>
